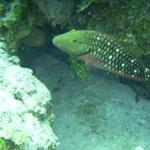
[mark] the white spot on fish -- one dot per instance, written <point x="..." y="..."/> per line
<point x="108" y="48"/>
<point x="105" y="65"/>
<point x="98" y="38"/>
<point x="99" y="50"/>
<point x="105" y="52"/>
<point x="147" y="70"/>
<point x="110" y="57"/>
<point x="135" y="71"/>
<point x="117" y="50"/>
<point x="122" y="65"/>
<point x="132" y="60"/>
<point x="108" y="43"/>
<point x="132" y="76"/>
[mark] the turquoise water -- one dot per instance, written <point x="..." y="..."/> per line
<point x="82" y="90"/>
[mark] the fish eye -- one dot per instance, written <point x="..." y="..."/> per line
<point x="74" y="40"/>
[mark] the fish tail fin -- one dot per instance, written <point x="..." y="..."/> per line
<point x="147" y="74"/>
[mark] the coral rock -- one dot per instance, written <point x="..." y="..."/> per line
<point x="35" y="39"/>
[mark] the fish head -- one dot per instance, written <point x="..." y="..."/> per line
<point x="73" y="42"/>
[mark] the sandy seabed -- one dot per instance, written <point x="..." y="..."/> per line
<point x="98" y="113"/>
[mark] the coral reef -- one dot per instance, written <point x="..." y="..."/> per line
<point x="24" y="116"/>
<point x="35" y="39"/>
<point x="26" y="109"/>
<point x="17" y="21"/>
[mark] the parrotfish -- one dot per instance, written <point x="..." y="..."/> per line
<point x="102" y="51"/>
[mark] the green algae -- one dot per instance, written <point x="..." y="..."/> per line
<point x="16" y="22"/>
<point x="3" y="145"/>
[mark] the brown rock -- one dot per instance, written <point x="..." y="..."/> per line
<point x="35" y="39"/>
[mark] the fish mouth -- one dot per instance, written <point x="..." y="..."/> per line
<point x="60" y="42"/>
<point x="84" y="53"/>
<point x="55" y="41"/>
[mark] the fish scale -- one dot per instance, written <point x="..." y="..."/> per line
<point x="114" y="57"/>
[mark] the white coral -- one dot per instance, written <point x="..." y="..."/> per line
<point x="21" y="97"/>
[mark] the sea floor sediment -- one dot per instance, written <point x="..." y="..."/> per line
<point x="98" y="113"/>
